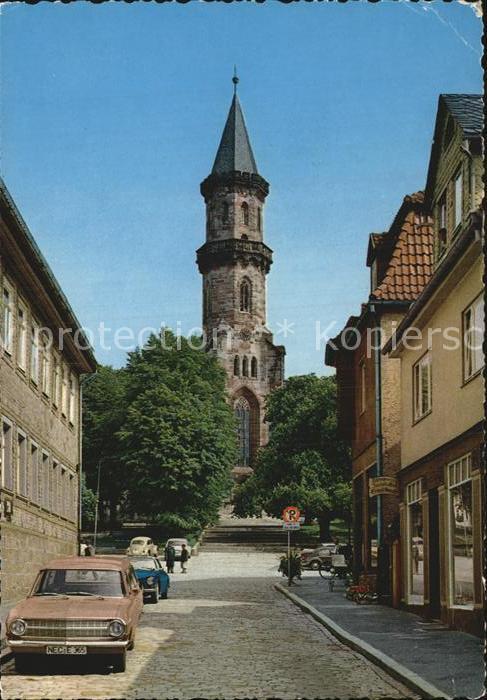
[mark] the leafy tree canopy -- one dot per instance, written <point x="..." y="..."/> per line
<point x="173" y="440"/>
<point x="304" y="463"/>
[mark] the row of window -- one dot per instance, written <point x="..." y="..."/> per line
<point x="244" y="215"/>
<point x="449" y="210"/>
<point x="30" y="347"/>
<point x="473" y="359"/>
<point x="244" y="296"/>
<point x="243" y="367"/>
<point x="459" y="533"/>
<point x="29" y="471"/>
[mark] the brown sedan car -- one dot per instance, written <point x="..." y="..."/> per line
<point x="78" y="606"/>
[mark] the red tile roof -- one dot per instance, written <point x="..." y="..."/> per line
<point x="411" y="263"/>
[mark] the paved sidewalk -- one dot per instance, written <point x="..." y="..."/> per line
<point x="451" y="661"/>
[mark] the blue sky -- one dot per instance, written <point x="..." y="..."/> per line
<point x="112" y="115"/>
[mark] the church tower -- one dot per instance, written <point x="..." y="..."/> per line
<point x="234" y="262"/>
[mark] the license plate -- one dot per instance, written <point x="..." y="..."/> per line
<point x="65" y="650"/>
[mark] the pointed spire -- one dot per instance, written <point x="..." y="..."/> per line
<point x="235" y="151"/>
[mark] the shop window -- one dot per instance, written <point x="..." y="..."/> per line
<point x="473" y="336"/>
<point x="422" y="387"/>
<point x="461" y="533"/>
<point x="7" y="456"/>
<point x="415" y="543"/>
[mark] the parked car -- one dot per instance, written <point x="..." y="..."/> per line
<point x="177" y="543"/>
<point x="142" y="545"/>
<point x="77" y="606"/>
<point x="151" y="576"/>
<point x="314" y="558"/>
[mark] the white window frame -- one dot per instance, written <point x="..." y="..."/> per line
<point x="71" y="398"/>
<point x="418" y="411"/>
<point x="461" y="468"/>
<point x="46" y="367"/>
<point x="56" y="369"/>
<point x="7" y="317"/>
<point x="34" y="352"/>
<point x="473" y="356"/>
<point x="22" y="336"/>
<point x="414" y="494"/>
<point x="5" y="421"/>
<point x="64" y="390"/>
<point x="458" y="199"/>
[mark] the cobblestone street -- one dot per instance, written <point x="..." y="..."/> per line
<point x="224" y="632"/>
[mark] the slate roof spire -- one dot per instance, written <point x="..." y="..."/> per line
<point x="235" y="152"/>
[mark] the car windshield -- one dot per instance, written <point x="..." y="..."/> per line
<point x="147" y="564"/>
<point x="81" y="582"/>
<point x="177" y="542"/>
<point x="138" y="540"/>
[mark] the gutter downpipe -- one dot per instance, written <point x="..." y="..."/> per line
<point x="377" y="346"/>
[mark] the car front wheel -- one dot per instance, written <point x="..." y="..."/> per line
<point x="314" y="565"/>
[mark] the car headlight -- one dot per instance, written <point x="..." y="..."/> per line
<point x="18" y="627"/>
<point x="116" y="628"/>
<point x="150" y="580"/>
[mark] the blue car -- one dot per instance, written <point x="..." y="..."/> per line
<point x="153" y="580"/>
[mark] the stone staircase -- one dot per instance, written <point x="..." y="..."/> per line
<point x="250" y="535"/>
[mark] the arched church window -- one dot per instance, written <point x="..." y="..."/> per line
<point x="236" y="366"/>
<point x="245" y="296"/>
<point x="244" y="214"/>
<point x="259" y="219"/>
<point x="253" y="368"/>
<point x="225" y="213"/>
<point x="245" y="366"/>
<point x="242" y="415"/>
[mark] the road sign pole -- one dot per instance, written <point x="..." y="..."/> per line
<point x="289" y="558"/>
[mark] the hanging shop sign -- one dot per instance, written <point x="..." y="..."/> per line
<point x="383" y="486"/>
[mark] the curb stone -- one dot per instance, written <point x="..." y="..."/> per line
<point x="395" y="669"/>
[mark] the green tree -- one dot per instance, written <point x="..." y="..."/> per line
<point x="304" y="464"/>
<point x="88" y="505"/>
<point x="178" y="438"/>
<point x="104" y="411"/>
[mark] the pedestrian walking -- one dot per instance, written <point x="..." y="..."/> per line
<point x="184" y="558"/>
<point x="170" y="555"/>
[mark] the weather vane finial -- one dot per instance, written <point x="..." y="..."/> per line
<point x="235" y="80"/>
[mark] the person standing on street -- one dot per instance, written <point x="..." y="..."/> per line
<point x="170" y="554"/>
<point x="184" y="558"/>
